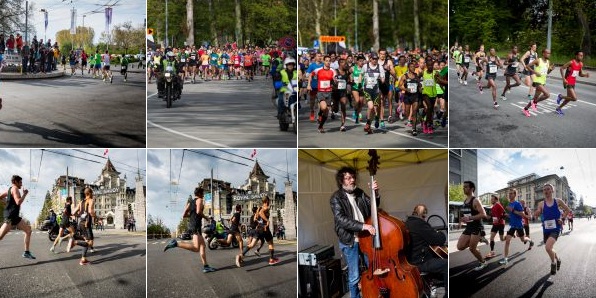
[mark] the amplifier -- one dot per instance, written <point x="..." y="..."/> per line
<point x="313" y="255"/>
<point x="322" y="281"/>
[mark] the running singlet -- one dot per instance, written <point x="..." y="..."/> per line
<point x="356" y="77"/>
<point x="194" y="222"/>
<point x="372" y="76"/>
<point x="550" y="216"/>
<point x="429" y="84"/>
<point x="311" y="68"/>
<point x="236" y="59"/>
<point x="325" y="76"/>
<point x="342" y="82"/>
<point x="497" y="212"/>
<point x="530" y="58"/>
<point x="469" y="210"/>
<point x="247" y="60"/>
<point x="542" y="69"/>
<point x="106" y="59"/>
<point x="11" y="211"/>
<point x="387" y="72"/>
<point x="213" y="59"/>
<point x="400" y="70"/>
<point x="457" y="55"/>
<point x="411" y="84"/>
<point x="512" y="67"/>
<point x="491" y="67"/>
<point x="467" y="58"/>
<point x="205" y="59"/>
<point x="515" y="221"/>
<point x="572" y="72"/>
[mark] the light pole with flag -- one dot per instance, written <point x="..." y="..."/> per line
<point x="45" y="16"/>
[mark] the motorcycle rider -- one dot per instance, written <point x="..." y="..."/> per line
<point x="289" y="79"/>
<point x="169" y="62"/>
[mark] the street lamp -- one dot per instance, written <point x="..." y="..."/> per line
<point x="45" y="27"/>
<point x="84" y="32"/>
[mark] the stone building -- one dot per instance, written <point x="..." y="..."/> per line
<point x="529" y="188"/>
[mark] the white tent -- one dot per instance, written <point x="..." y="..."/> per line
<point x="405" y="177"/>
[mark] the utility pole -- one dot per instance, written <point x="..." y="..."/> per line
<point x="166" y="23"/>
<point x="26" y="19"/>
<point x="356" y="23"/>
<point x="550" y="24"/>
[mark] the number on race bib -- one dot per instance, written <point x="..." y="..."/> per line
<point x="371" y="82"/>
<point x="357" y="80"/>
<point x="341" y="84"/>
<point x="183" y="60"/>
<point x="514" y="64"/>
<point x="492" y="69"/>
<point x="467" y="59"/>
<point x="412" y="87"/>
<point x="575" y="73"/>
<point x="324" y="84"/>
<point x="495" y="220"/>
<point x="169" y="68"/>
<point x="429" y="83"/>
<point x="550" y="224"/>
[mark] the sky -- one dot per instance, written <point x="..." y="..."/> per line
<point x="167" y="201"/>
<point x="497" y="167"/>
<point x="26" y="163"/>
<point x="59" y="15"/>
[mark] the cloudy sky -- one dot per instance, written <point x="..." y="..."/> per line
<point x="497" y="167"/>
<point x="167" y="201"/>
<point x="26" y="163"/>
<point x="59" y="15"/>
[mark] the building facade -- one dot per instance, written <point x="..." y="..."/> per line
<point x="463" y="166"/>
<point x="530" y="188"/>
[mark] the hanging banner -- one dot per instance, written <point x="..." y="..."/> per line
<point x="108" y="19"/>
<point x="46" y="19"/>
<point x="73" y="21"/>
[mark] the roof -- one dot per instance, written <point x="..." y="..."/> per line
<point x="257" y="171"/>
<point x="110" y="167"/>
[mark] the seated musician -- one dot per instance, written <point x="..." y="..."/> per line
<point x="422" y="237"/>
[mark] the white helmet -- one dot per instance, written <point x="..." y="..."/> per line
<point x="170" y="54"/>
<point x="289" y="60"/>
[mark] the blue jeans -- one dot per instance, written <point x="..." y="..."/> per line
<point x="351" y="255"/>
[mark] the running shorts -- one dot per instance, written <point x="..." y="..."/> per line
<point x="268" y="236"/>
<point x="567" y="86"/>
<point x="410" y="98"/>
<point x="12" y="221"/>
<point x="498" y="228"/>
<point x="372" y="95"/>
<point x="513" y="231"/>
<point x="536" y="85"/>
<point x="473" y="230"/>
<point x="551" y="234"/>
<point x="324" y="96"/>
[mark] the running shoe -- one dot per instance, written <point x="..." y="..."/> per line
<point x="52" y="249"/>
<point x="430" y="130"/>
<point x="483" y="240"/>
<point x="332" y="115"/>
<point x="503" y="97"/>
<point x="257" y="253"/>
<point x="495" y="105"/>
<point x="466" y="83"/>
<point x="424" y="130"/>
<point x="238" y="261"/>
<point x="531" y="244"/>
<point x="558" y="264"/>
<point x="409" y="123"/>
<point x="401" y="116"/>
<point x="414" y="132"/>
<point x="481" y="266"/>
<point x="383" y="124"/>
<point x="553" y="269"/>
<point x="360" y="116"/>
<point x="273" y="261"/>
<point x="534" y="108"/>
<point x="367" y="128"/>
<point x="559" y="98"/>
<point x="460" y="81"/>
<point x="559" y="112"/>
<point x="171" y="244"/>
<point x="321" y="129"/>
<point x="207" y="269"/>
<point x="490" y="255"/>
<point x="526" y="112"/>
<point x="91" y="249"/>
<point x="480" y="87"/>
<point x="504" y="262"/>
<point x="28" y="255"/>
<point x="376" y="121"/>
<point x="312" y="116"/>
<point x="84" y="262"/>
<point x="529" y="96"/>
<point x="342" y="128"/>
<point x="354" y="116"/>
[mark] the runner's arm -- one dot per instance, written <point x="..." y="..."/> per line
<point x="566" y="210"/>
<point x="538" y="209"/>
<point x="535" y="62"/>
<point x="186" y="212"/>
<point x="562" y="70"/>
<point x="16" y="194"/>
<point x="581" y="72"/>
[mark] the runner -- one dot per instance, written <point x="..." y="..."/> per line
<point x="473" y="213"/>
<point x="467" y="56"/>
<point x="373" y="76"/>
<point x="526" y="59"/>
<point x="551" y="223"/>
<point x="570" y="221"/>
<point x="400" y="69"/>
<point x="234" y="232"/>
<point x="325" y="75"/>
<point x="458" y="58"/>
<point x="264" y="215"/>
<point x="430" y="78"/>
<point x="194" y="210"/>
<point x="512" y="62"/>
<point x="541" y="68"/>
<point x="498" y="216"/>
<point x="83" y="62"/>
<point x="572" y="69"/>
<point x="266" y="60"/>
<point x="313" y="83"/>
<point x="86" y="212"/>
<point x="64" y="225"/>
<point x="124" y="67"/>
<point x="72" y="60"/>
<point x="255" y="232"/>
<point x="492" y="64"/>
<point x="526" y="221"/>
<point x="12" y="201"/>
<point x="106" y="73"/>
<point x="339" y="94"/>
<point x="97" y="67"/>
<point x="386" y="87"/>
<point x="410" y="85"/>
<point x="357" y="91"/>
<point x="516" y="212"/>
<point x="479" y="59"/>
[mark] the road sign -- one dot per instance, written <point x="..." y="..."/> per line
<point x="208" y="198"/>
<point x="287" y="42"/>
<point x="149" y="31"/>
<point x="316" y="44"/>
<point x="326" y="38"/>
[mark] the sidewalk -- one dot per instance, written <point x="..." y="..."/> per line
<point x="29" y="76"/>
<point x="120" y="232"/>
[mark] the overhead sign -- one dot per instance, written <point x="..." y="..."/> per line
<point x="326" y="38"/>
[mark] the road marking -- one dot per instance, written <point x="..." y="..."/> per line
<point x="185" y="135"/>
<point x="151" y="95"/>
<point x="405" y="135"/>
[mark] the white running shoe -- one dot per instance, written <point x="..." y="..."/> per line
<point x="481" y="266"/>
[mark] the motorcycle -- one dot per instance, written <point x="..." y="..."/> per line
<point x="289" y="114"/>
<point x="53" y="232"/>
<point x="213" y="237"/>
<point x="171" y="93"/>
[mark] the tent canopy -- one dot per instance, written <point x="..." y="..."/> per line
<point x="358" y="158"/>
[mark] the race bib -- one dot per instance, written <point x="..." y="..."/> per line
<point x="514" y="64"/>
<point x="495" y="220"/>
<point x="324" y="84"/>
<point x="468" y="215"/>
<point x="169" y="68"/>
<point x="575" y="73"/>
<point x="357" y="80"/>
<point x="341" y="84"/>
<point x="304" y="84"/>
<point x="371" y="82"/>
<point x="412" y="87"/>
<point x="530" y="61"/>
<point x="467" y="59"/>
<point x="183" y="60"/>
<point x="550" y="224"/>
<point x="544" y="71"/>
<point x="492" y="69"/>
<point x="429" y="83"/>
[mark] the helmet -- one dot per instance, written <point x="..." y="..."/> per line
<point x="170" y="54"/>
<point x="289" y="60"/>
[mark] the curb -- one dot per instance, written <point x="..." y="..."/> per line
<point x="18" y="76"/>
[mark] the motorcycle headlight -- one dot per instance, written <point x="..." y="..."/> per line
<point x="168" y="74"/>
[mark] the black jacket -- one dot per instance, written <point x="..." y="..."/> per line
<point x="421" y="236"/>
<point x="345" y="225"/>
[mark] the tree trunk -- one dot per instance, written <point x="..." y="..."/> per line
<point x="392" y="10"/>
<point x="318" y="9"/>
<point x="377" y="42"/>
<point x="416" y="26"/>
<point x="212" y="25"/>
<point x="190" y="39"/>
<point x="586" y="43"/>
<point x="239" y="38"/>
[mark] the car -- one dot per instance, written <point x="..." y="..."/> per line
<point x="184" y="236"/>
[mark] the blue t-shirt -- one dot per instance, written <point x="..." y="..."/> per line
<point x="314" y="83"/>
<point x="515" y="221"/>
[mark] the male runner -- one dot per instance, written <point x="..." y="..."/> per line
<point x="512" y="62"/>
<point x="264" y="215"/>
<point x="541" y="68"/>
<point x="373" y="77"/>
<point x="498" y="217"/>
<point x="325" y="76"/>
<point x="473" y="213"/>
<point x="526" y="59"/>
<point x="12" y="208"/>
<point x="492" y="64"/>
<point x="516" y="212"/>
<point x="572" y="69"/>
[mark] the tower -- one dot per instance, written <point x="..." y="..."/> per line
<point x="289" y="219"/>
<point x="139" y="205"/>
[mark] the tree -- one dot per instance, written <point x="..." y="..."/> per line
<point x="12" y="17"/>
<point x="156" y="228"/>
<point x="183" y="225"/>
<point x="83" y="39"/>
<point x="126" y="37"/>
<point x="45" y="210"/>
<point x="456" y="193"/>
<point x="190" y="36"/>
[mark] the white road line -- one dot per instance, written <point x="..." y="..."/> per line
<point x="151" y="95"/>
<point x="186" y="135"/>
<point x="404" y="135"/>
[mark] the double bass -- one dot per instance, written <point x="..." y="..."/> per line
<point x="388" y="274"/>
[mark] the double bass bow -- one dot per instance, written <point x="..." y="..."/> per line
<point x="388" y="274"/>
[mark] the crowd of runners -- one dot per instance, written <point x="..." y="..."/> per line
<point x="530" y="66"/>
<point x="379" y="87"/>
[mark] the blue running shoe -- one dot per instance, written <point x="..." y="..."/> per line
<point x="377" y="122"/>
<point x="559" y="112"/>
<point x="559" y="98"/>
<point x="171" y="244"/>
<point x="207" y="269"/>
<point x="383" y="124"/>
<point x="28" y="255"/>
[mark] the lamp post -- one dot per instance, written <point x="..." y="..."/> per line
<point x="84" y="33"/>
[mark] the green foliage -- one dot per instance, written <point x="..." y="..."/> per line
<point x="45" y="210"/>
<point x="456" y="193"/>
<point x="156" y="228"/>
<point x="183" y="225"/>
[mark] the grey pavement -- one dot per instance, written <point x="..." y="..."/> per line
<point x="476" y="124"/>
<point x="231" y="113"/>
<point x="528" y="271"/>
<point x="117" y="267"/>
<point x="76" y="111"/>
<point x="178" y="272"/>
<point x="395" y="135"/>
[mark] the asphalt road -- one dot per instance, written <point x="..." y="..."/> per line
<point x="528" y="272"/>
<point x="117" y="269"/>
<point x="178" y="273"/>
<point x="73" y="112"/>
<point x="395" y="135"/>
<point x="476" y="124"/>
<point x="212" y="114"/>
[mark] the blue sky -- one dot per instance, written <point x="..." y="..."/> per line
<point x="59" y="15"/>
<point x="496" y="167"/>
<point x="26" y="163"/>
<point x="167" y="201"/>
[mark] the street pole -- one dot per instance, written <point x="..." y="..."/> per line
<point x="356" y="23"/>
<point x="335" y="21"/>
<point x="84" y="33"/>
<point x="26" y="19"/>
<point x="550" y="24"/>
<point x="166" y="23"/>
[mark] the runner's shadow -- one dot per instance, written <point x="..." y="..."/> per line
<point x="539" y="287"/>
<point x="61" y="136"/>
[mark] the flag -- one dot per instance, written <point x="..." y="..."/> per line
<point x="254" y="153"/>
<point x="105" y="153"/>
<point x="73" y="21"/>
<point x="108" y="19"/>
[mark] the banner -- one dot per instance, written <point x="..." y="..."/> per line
<point x="108" y="19"/>
<point x="73" y="21"/>
<point x="46" y="19"/>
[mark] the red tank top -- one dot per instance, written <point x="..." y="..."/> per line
<point x="324" y="76"/>
<point x="573" y="72"/>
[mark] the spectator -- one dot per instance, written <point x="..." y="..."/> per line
<point x="19" y="42"/>
<point x="25" y="55"/>
<point x="10" y="44"/>
<point x="2" y="43"/>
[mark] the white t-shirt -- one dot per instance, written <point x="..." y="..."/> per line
<point x="357" y="214"/>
